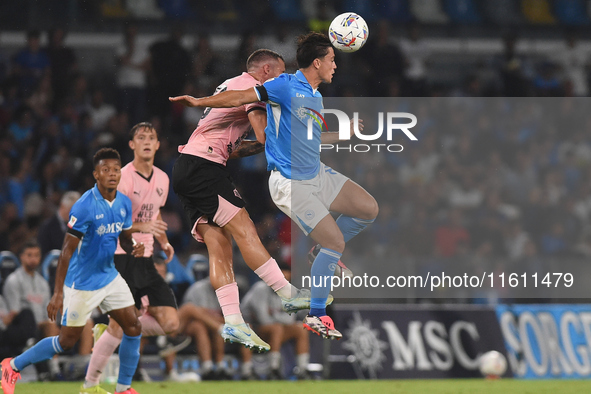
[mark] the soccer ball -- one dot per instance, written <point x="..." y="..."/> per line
<point x="348" y="32"/>
<point x="492" y="364"/>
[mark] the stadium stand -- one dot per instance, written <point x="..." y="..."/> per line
<point x="538" y="12"/>
<point x="429" y="12"/>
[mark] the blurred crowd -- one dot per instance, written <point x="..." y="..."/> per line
<point x="492" y="184"/>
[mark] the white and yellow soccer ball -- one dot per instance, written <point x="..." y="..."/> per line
<point x="492" y="364"/>
<point x="348" y="32"/>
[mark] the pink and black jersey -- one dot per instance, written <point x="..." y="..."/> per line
<point x="221" y="130"/>
<point x="147" y="196"/>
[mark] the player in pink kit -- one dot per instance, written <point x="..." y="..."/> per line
<point x="214" y="206"/>
<point x="147" y="188"/>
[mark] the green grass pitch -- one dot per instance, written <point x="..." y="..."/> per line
<point x="448" y="386"/>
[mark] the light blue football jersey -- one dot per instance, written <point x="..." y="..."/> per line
<point x="288" y="147"/>
<point x="98" y="223"/>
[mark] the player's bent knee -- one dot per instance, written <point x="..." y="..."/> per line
<point x="66" y="347"/>
<point x="170" y="325"/>
<point x="375" y="209"/>
<point x="337" y="243"/>
<point x="134" y="329"/>
<point x="241" y="226"/>
<point x="371" y="209"/>
<point x="67" y="343"/>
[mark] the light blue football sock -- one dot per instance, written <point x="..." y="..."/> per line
<point x="43" y="350"/>
<point x="129" y="355"/>
<point x="322" y="272"/>
<point x="351" y="226"/>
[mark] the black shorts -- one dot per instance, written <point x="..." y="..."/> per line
<point x="143" y="279"/>
<point x="200" y="184"/>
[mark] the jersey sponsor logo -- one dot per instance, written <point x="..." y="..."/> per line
<point x="97" y="217"/>
<point x="109" y="228"/>
<point x="145" y="214"/>
<point x="302" y="112"/>
<point x="72" y="221"/>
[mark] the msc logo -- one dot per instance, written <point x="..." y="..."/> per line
<point x="109" y="228"/>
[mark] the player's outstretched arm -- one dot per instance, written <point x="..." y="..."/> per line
<point x="227" y="99"/>
<point x="69" y="246"/>
<point x="129" y="245"/>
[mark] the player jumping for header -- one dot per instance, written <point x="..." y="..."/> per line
<point x="300" y="184"/>
<point x="214" y="206"/>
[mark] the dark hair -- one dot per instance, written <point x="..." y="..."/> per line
<point x="311" y="46"/>
<point x="29" y="245"/>
<point x="261" y="54"/>
<point x="141" y="125"/>
<point x="104" y="154"/>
